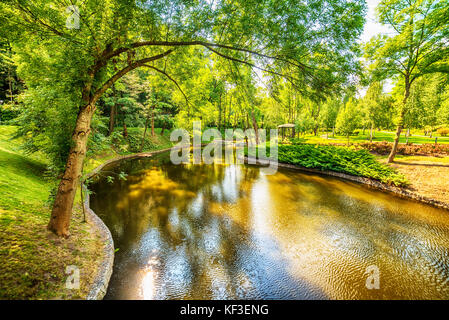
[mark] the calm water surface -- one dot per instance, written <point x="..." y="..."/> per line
<point x="225" y="232"/>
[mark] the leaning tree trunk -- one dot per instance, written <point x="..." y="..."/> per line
<point x="144" y="134"/>
<point x="62" y="207"/>
<point x="152" y="120"/>
<point x="394" y="150"/>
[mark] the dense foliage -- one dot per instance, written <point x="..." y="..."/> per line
<point x="339" y="159"/>
<point x="231" y="64"/>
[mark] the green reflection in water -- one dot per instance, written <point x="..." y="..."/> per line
<point x="225" y="232"/>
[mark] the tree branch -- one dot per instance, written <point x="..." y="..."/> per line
<point x="204" y="44"/>
<point x="250" y="64"/>
<point x="169" y="77"/>
<point x="124" y="71"/>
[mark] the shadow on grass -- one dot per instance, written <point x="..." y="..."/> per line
<point x="422" y="164"/>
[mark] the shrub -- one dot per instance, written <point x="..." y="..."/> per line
<point x="443" y="132"/>
<point x="340" y="159"/>
<point x="297" y="140"/>
<point x="409" y="149"/>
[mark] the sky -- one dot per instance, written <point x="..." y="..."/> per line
<point x="372" y="28"/>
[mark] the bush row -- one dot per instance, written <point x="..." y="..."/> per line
<point x="340" y="159"/>
<point x="406" y="149"/>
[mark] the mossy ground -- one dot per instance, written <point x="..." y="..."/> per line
<point x="33" y="261"/>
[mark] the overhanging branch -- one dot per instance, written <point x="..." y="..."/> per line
<point x="204" y="44"/>
<point x="169" y="77"/>
<point x="124" y="71"/>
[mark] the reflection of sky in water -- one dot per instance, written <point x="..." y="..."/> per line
<point x="196" y="208"/>
<point x="224" y="232"/>
<point x="230" y="183"/>
<point x="177" y="272"/>
<point x="211" y="238"/>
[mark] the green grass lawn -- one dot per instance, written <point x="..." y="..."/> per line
<point x="23" y="185"/>
<point x="32" y="260"/>
<point x="378" y="136"/>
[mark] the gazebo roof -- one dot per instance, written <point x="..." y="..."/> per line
<point x="286" y="125"/>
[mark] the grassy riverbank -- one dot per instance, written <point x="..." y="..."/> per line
<point x="32" y="260"/>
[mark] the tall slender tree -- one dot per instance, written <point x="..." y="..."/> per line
<point x="419" y="46"/>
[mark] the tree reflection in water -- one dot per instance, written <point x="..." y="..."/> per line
<point x="224" y="232"/>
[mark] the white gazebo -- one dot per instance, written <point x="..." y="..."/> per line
<point x="287" y="126"/>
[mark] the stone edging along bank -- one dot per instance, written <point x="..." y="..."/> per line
<point x="401" y="192"/>
<point x="100" y="285"/>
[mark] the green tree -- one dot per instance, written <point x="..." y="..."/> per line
<point x="424" y="106"/>
<point x="418" y="47"/>
<point x="348" y="118"/>
<point x="378" y="108"/>
<point x="329" y="114"/>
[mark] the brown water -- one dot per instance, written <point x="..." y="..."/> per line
<point x="232" y="232"/>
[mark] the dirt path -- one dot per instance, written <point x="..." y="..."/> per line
<point x="429" y="176"/>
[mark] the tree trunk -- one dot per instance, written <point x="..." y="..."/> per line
<point x="113" y="112"/>
<point x="401" y="122"/>
<point x="163" y="128"/>
<point x="219" y="117"/>
<point x="229" y="111"/>
<point x="112" y="119"/>
<point x="152" y="120"/>
<point x="371" y="133"/>
<point x="256" y="130"/>
<point x="223" y="106"/>
<point x="235" y="120"/>
<point x="144" y="134"/>
<point x="62" y="207"/>
<point x="407" y="135"/>
<point x="10" y="85"/>
<point x="125" y="130"/>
